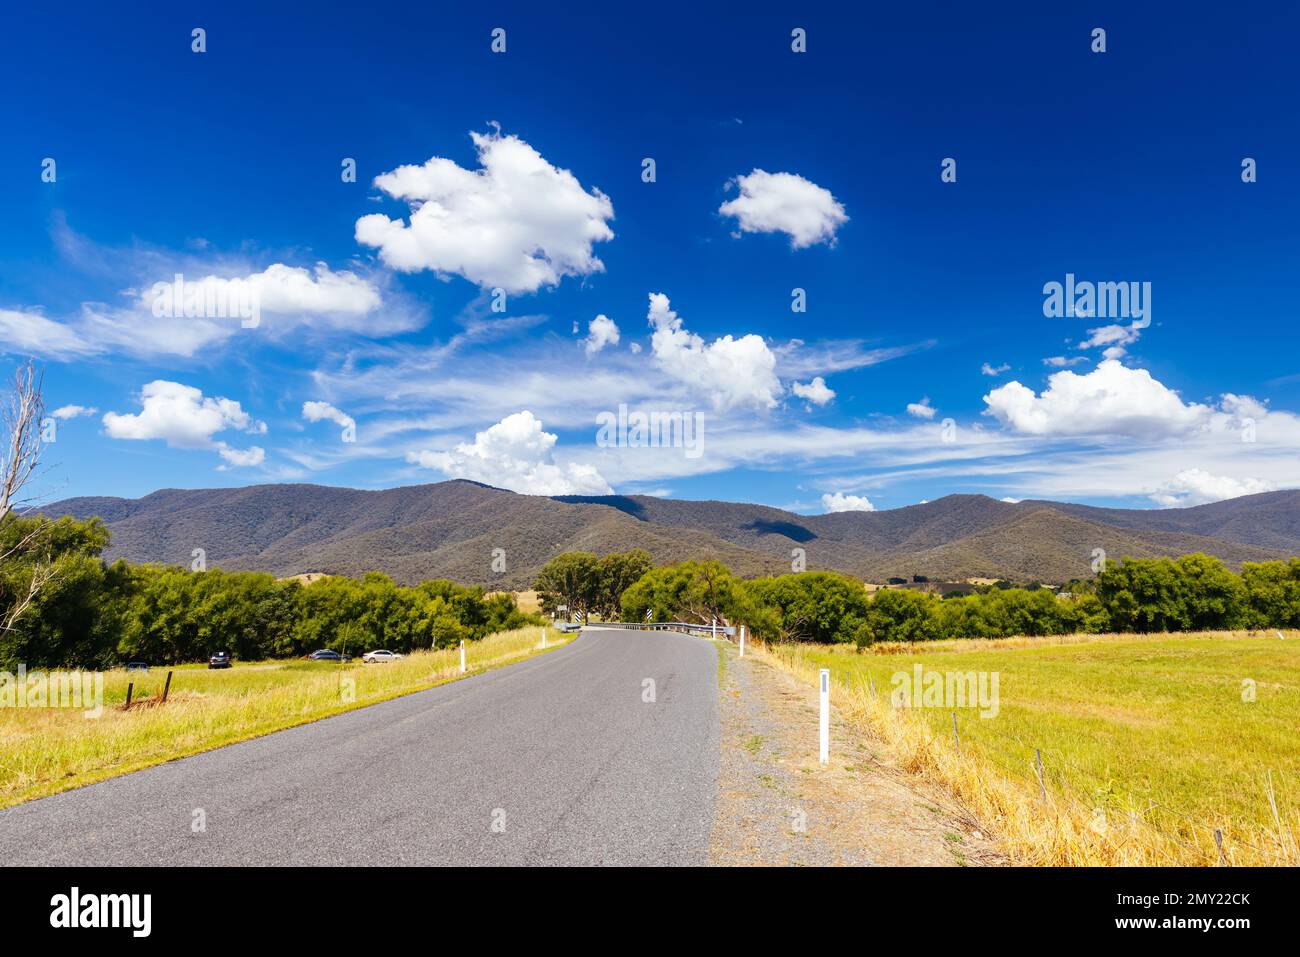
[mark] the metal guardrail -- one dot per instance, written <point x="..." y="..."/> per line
<point x="682" y="626"/>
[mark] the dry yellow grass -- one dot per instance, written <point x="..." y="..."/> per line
<point x="1148" y="743"/>
<point x="46" y="750"/>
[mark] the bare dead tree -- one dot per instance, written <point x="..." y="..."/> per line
<point x="22" y="418"/>
<point x="22" y="424"/>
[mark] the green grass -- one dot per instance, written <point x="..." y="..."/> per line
<point x="1150" y="726"/>
<point x="46" y="750"/>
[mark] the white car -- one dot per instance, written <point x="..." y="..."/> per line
<point x="374" y="657"/>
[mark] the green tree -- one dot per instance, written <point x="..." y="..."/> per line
<point x="900" y="614"/>
<point x="615" y="574"/>
<point x="811" y="606"/>
<point x="571" y="580"/>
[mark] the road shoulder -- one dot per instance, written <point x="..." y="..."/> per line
<point x="778" y="806"/>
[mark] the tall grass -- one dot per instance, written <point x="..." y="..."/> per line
<point x="46" y="750"/>
<point x="1148" y="744"/>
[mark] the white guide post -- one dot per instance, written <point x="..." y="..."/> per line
<point x="742" y="641"/>
<point x="826" y="716"/>
<point x="462" y="656"/>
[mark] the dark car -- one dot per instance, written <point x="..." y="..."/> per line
<point x="136" y="666"/>
<point x="326" y="655"/>
<point x="220" y="659"/>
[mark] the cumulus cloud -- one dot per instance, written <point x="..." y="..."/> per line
<point x="601" y="332"/>
<point x="839" y="502"/>
<point x="517" y="222"/>
<point x="989" y="369"/>
<point x="1112" y="399"/>
<point x="785" y="203"/>
<point x="65" y="412"/>
<point x="732" y="372"/>
<point x="184" y="418"/>
<point x="817" y="391"/>
<point x="324" y="412"/>
<point x="1198" y="487"/>
<point x="922" y="409"/>
<point x="518" y="455"/>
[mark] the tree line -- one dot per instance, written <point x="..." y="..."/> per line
<point x="92" y="614"/>
<point x="1192" y="593"/>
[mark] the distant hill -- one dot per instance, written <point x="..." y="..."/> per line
<point x="449" y="530"/>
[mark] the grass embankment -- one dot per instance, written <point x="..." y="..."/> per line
<point x="1148" y="743"/>
<point x="45" y="750"/>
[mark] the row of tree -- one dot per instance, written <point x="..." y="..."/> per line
<point x="91" y="614"/>
<point x="1194" y="592"/>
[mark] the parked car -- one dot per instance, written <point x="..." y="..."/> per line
<point x="220" y="659"/>
<point x="326" y="655"/>
<point x="376" y="657"/>
<point x="136" y="666"/>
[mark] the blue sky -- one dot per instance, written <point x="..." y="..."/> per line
<point x="774" y="171"/>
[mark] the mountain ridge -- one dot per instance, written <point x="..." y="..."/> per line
<point x="450" y="530"/>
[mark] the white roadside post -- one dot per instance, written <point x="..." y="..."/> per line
<point x="543" y="637"/>
<point x="826" y="716"/>
<point x="742" y="641"/>
<point x="713" y="629"/>
<point x="462" y="656"/>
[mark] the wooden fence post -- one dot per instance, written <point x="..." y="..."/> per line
<point x="129" y="688"/>
<point x="167" y="687"/>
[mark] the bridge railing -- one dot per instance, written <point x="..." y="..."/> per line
<point x="686" y="627"/>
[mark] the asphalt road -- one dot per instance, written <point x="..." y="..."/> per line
<point x="560" y="752"/>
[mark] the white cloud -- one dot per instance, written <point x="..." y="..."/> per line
<point x="242" y="458"/>
<point x="839" y="502"/>
<point x="989" y="369"/>
<point x="305" y="297"/>
<point x="518" y="222"/>
<point x="1114" y="338"/>
<point x="34" y="334"/>
<point x="518" y="455"/>
<point x="1011" y="501"/>
<point x="922" y="409"/>
<point x="184" y="418"/>
<point x="189" y="317"/>
<point x="65" y="412"/>
<point x="733" y="372"/>
<point x="324" y="412"/>
<point x="1198" y="487"/>
<point x="1061" y="362"/>
<point x="1112" y="399"/>
<point x="601" y="332"/>
<point x="785" y="203"/>
<point x="817" y="391"/>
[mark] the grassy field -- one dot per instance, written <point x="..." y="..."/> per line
<point x="45" y="750"/>
<point x="1149" y="744"/>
